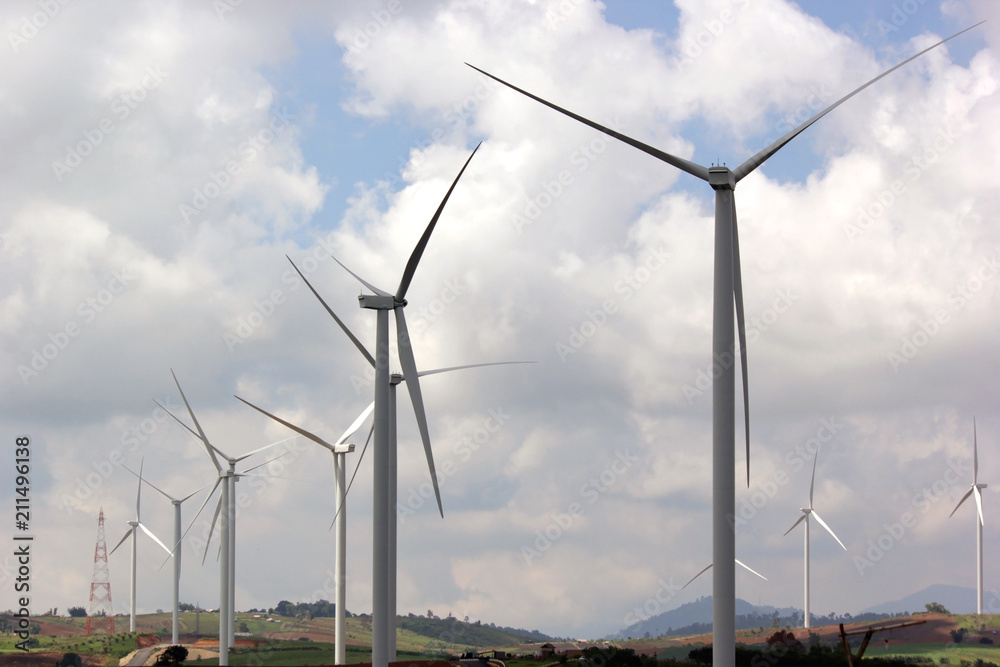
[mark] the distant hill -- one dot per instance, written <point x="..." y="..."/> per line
<point x="475" y="634"/>
<point x="696" y="617"/>
<point x="956" y="599"/>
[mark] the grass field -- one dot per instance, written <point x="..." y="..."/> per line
<point x="954" y="654"/>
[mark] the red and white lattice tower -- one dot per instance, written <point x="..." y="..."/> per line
<point x="101" y="615"/>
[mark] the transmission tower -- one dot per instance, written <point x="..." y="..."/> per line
<point x="101" y="615"/>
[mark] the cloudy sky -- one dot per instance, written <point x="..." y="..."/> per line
<point x="161" y="159"/>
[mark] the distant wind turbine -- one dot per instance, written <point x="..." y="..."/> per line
<point x="977" y="491"/>
<point x="227" y="563"/>
<point x="131" y="533"/>
<point x="339" y="450"/>
<point x="175" y="626"/>
<point x="806" y="512"/>
<point x="728" y="285"/>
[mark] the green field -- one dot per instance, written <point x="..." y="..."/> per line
<point x="941" y="654"/>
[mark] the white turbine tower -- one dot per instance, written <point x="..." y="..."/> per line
<point x="131" y="533"/>
<point x="806" y="513"/>
<point x="176" y="553"/>
<point x="727" y="287"/>
<point x="227" y="562"/>
<point x="339" y="450"/>
<point x="977" y="491"/>
<point x="383" y="517"/>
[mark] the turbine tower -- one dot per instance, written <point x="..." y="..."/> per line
<point x="977" y="491"/>
<point x="176" y="553"/>
<point x="727" y="288"/>
<point x="806" y="512"/>
<point x="132" y="533"/>
<point x="339" y="450"/>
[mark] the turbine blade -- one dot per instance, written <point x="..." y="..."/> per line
<point x="121" y="541"/>
<point x="979" y="504"/>
<point x="148" y="483"/>
<point x="301" y="431"/>
<point x="361" y="280"/>
<point x="418" y="250"/>
<point x="682" y="164"/>
<point x="138" y="491"/>
<point x="259" y="449"/>
<point x="357" y="343"/>
<point x="459" y="368"/>
<point x="812" y="483"/>
<point x="261" y="465"/>
<point x="208" y="540"/>
<point x="828" y="529"/>
<point x="703" y="571"/>
<point x="759" y="159"/>
<point x="218" y="480"/>
<point x="750" y="569"/>
<point x="155" y="538"/>
<point x="801" y="519"/>
<point x="964" y="498"/>
<point x="413" y="386"/>
<point x="741" y="328"/>
<point x="355" y="474"/>
<point x="975" y="454"/>
<point x="177" y="419"/>
<point x="201" y="433"/>
<point x="353" y="428"/>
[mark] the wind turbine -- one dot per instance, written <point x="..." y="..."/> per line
<point x="176" y="553"/>
<point x="806" y="512"/>
<point x="131" y="533"/>
<point x="227" y="562"/>
<point x="339" y="450"/>
<point x="383" y="457"/>
<point x="977" y="491"/>
<point x="394" y="380"/>
<point x="727" y="287"/>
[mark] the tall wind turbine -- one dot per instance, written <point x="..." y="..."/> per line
<point x="339" y="450"/>
<point x="382" y="302"/>
<point x="175" y="633"/>
<point x="131" y="533"/>
<point x="394" y="380"/>
<point x="977" y="491"/>
<point x="806" y="512"/>
<point x="227" y="562"/>
<point x="727" y="286"/>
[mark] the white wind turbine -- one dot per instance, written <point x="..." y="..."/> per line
<point x="394" y="380"/>
<point x="977" y="491"/>
<point x="131" y="533"/>
<point x="227" y="562"/>
<point x="176" y="553"/>
<point x="806" y="513"/>
<point x="727" y="287"/>
<point x="339" y="450"/>
<point x="384" y="425"/>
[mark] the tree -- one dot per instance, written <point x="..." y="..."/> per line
<point x="70" y="660"/>
<point x="77" y="612"/>
<point x="172" y="655"/>
<point x="936" y="608"/>
<point x="957" y="635"/>
<point x="185" y="606"/>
